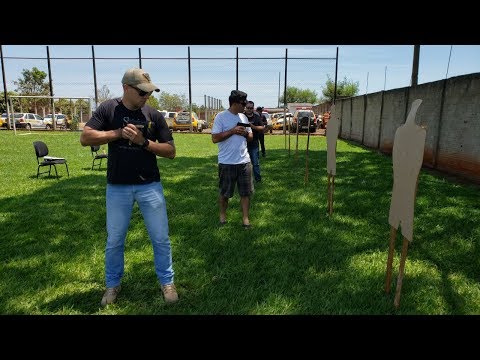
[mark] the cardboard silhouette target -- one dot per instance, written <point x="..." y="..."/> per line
<point x="407" y="158"/>
<point x="332" y="135"/>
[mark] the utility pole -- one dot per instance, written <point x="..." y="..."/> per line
<point x="366" y="89"/>
<point x="448" y="65"/>
<point x="278" y="99"/>
<point x="416" y="60"/>
<point x="385" y="80"/>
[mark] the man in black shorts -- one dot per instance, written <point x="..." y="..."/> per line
<point x="234" y="165"/>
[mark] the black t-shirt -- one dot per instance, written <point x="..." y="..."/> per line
<point x="129" y="163"/>
<point x="264" y="120"/>
<point x="255" y="120"/>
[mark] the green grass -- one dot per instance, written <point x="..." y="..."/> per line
<point x="295" y="260"/>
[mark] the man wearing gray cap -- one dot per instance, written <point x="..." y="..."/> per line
<point x="136" y="134"/>
<point x="230" y="132"/>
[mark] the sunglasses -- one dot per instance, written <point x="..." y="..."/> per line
<point x="141" y="93"/>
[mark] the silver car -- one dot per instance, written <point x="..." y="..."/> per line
<point x="28" y="121"/>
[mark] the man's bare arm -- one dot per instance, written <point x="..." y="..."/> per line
<point x="91" y="136"/>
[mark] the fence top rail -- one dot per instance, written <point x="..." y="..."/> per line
<point x="47" y="97"/>
<point x="169" y="58"/>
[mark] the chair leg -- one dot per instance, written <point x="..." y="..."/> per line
<point x="67" y="169"/>
<point x="93" y="163"/>
<point x="38" y="170"/>
<point x="56" y="173"/>
<point x="49" y="169"/>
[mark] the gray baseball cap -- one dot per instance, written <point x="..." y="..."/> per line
<point x="140" y="79"/>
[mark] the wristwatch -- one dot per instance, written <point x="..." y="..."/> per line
<point x="145" y="144"/>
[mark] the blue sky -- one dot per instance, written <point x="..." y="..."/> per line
<point x="374" y="67"/>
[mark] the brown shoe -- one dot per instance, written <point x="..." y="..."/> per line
<point x="170" y="293"/>
<point x="110" y="295"/>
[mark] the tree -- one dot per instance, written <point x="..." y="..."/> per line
<point x="346" y="88"/>
<point x="82" y="108"/>
<point x="153" y="102"/>
<point x="296" y="95"/>
<point x="103" y="94"/>
<point x="32" y="83"/>
<point x="172" y="102"/>
<point x="3" y="106"/>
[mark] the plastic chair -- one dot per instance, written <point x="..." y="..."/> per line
<point x="41" y="150"/>
<point x="96" y="156"/>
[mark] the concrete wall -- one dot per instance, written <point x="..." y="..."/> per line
<point x="459" y="138"/>
<point x="358" y="113"/>
<point x="372" y="120"/>
<point x="428" y="114"/>
<point x="346" y="118"/>
<point x="450" y="112"/>
<point x="393" y="115"/>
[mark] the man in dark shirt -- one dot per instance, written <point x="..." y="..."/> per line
<point x="261" y="136"/>
<point x="257" y="128"/>
<point x="136" y="134"/>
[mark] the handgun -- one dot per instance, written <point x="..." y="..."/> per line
<point x="137" y="125"/>
<point x="243" y="124"/>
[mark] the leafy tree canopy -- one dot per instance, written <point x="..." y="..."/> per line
<point x="3" y="106"/>
<point x="172" y="102"/>
<point x="153" y="102"/>
<point x="103" y="94"/>
<point x="345" y="88"/>
<point x="296" y="95"/>
<point x="32" y="82"/>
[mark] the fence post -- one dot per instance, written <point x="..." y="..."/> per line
<point x="54" y="122"/>
<point x="5" y="87"/>
<point x="94" y="77"/>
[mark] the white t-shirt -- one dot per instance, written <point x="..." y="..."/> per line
<point x="234" y="149"/>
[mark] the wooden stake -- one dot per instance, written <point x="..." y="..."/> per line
<point x="306" y="155"/>
<point x="329" y="189"/>
<point x="396" y="302"/>
<point x="306" y="167"/>
<point x="331" y="194"/>
<point x="388" y="279"/>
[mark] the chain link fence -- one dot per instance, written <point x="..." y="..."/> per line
<point x="205" y="82"/>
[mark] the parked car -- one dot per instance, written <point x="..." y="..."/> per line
<point x="269" y="122"/>
<point x="278" y="123"/>
<point x="183" y="121"/>
<point x="164" y="113"/>
<point x="203" y="124"/>
<point x="320" y="124"/>
<point x="28" y="121"/>
<point x="3" y="120"/>
<point x="325" y="118"/>
<point x="302" y="118"/>
<point x="170" y="118"/>
<point x="279" y="115"/>
<point x="62" y="121"/>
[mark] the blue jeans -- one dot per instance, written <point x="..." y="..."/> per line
<point x="255" y="159"/>
<point x="150" y="200"/>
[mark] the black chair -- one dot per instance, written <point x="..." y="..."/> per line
<point x="96" y="156"/>
<point x="41" y="150"/>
